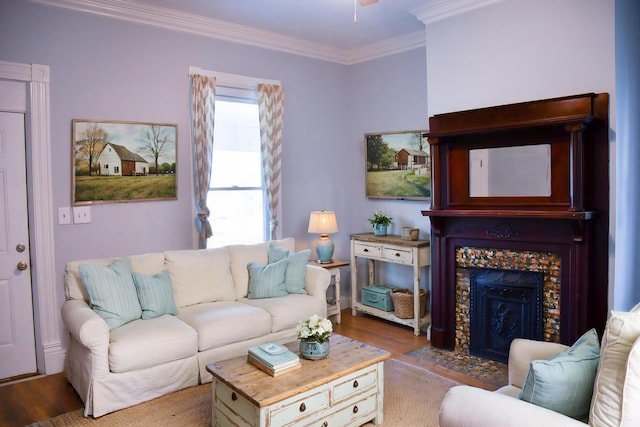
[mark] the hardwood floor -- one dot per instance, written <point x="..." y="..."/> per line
<point x="38" y="399"/>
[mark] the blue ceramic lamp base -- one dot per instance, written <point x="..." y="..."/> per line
<point x="324" y="249"/>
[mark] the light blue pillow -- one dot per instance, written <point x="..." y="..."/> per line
<point x="564" y="382"/>
<point x="296" y="267"/>
<point x="155" y="294"/>
<point x="267" y="281"/>
<point x="112" y="293"/>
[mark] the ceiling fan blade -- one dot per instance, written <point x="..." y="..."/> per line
<point x="367" y="2"/>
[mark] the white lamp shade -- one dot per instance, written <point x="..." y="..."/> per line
<point x="323" y="222"/>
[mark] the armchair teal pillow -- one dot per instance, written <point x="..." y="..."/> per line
<point x="296" y="267"/>
<point x="155" y="294"/>
<point x="112" y="293"/>
<point x="564" y="382"/>
<point x="267" y="281"/>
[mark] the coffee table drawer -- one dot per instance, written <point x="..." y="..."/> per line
<point x="355" y="414"/>
<point x="293" y="411"/>
<point x="237" y="404"/>
<point x="354" y="384"/>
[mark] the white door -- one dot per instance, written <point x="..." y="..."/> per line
<point x="17" y="342"/>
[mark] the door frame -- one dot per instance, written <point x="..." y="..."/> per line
<point x="50" y="351"/>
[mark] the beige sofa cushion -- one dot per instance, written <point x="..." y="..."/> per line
<point x="621" y="332"/>
<point x="225" y="322"/>
<point x="241" y="255"/>
<point x="631" y="389"/>
<point x="200" y="276"/>
<point x="145" y="343"/>
<point x="287" y="311"/>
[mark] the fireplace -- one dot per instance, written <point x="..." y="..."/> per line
<point x="556" y="228"/>
<point x="504" y="304"/>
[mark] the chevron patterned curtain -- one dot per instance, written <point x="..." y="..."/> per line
<point x="203" y="92"/>
<point x="271" y="106"/>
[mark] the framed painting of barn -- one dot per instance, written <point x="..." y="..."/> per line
<point x="398" y="165"/>
<point x="117" y="161"/>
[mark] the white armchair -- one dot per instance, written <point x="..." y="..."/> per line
<point x="618" y="370"/>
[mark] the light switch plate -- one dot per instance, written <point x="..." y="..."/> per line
<point x="64" y="215"/>
<point x="82" y="215"/>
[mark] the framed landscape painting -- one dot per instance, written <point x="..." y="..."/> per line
<point x="123" y="161"/>
<point x="398" y="165"/>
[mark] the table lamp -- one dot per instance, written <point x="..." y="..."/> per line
<point x="324" y="223"/>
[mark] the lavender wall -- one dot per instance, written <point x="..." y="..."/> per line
<point x="106" y="69"/>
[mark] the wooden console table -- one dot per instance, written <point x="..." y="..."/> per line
<point x="390" y="248"/>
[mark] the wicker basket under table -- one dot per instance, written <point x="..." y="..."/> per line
<point x="403" y="302"/>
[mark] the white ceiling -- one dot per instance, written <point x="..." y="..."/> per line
<point x="326" y="22"/>
<point x="323" y="29"/>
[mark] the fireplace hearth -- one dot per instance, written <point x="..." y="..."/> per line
<point x="504" y="304"/>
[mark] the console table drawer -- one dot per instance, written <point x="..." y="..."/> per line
<point x="367" y="250"/>
<point x="354" y="384"/>
<point x="401" y="256"/>
<point x="292" y="411"/>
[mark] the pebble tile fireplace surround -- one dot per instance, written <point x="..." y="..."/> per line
<point x="562" y="233"/>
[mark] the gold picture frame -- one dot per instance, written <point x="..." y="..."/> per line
<point x="122" y="161"/>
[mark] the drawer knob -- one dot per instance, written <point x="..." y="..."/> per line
<point x="397" y="254"/>
<point x="355" y="409"/>
<point x="355" y="384"/>
<point x="233" y="396"/>
<point x="325" y="424"/>
<point x="303" y="407"/>
<point x="365" y="250"/>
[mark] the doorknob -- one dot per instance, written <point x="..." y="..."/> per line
<point x="20" y="247"/>
<point x="22" y="265"/>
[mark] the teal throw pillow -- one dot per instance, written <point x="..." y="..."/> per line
<point x="564" y="382"/>
<point x="267" y="281"/>
<point x="296" y="267"/>
<point x="155" y="294"/>
<point x="112" y="293"/>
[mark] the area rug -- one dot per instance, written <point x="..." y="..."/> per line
<point x="412" y="397"/>
<point x="485" y="370"/>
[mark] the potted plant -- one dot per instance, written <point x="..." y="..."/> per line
<point x="313" y="334"/>
<point x="380" y="222"/>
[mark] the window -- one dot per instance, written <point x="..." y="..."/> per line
<point x="236" y="194"/>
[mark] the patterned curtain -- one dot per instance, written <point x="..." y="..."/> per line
<point x="203" y="92"/>
<point x="271" y="106"/>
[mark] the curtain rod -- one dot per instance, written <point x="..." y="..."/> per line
<point x="232" y="79"/>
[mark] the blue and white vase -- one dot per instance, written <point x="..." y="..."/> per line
<point x="313" y="350"/>
<point x="380" y="230"/>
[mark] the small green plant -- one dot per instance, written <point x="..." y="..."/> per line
<point x="380" y="217"/>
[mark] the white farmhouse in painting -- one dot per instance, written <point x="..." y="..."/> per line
<point x="117" y="160"/>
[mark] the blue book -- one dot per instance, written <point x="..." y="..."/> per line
<point x="274" y="356"/>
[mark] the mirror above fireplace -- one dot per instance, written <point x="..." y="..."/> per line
<point x="518" y="171"/>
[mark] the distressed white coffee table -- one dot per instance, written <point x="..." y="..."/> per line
<point x="344" y="389"/>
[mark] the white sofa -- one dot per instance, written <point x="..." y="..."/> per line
<point x="616" y="390"/>
<point x="144" y="359"/>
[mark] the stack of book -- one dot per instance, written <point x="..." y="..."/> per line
<point x="274" y="359"/>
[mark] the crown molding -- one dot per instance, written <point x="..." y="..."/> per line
<point x="387" y="47"/>
<point x="437" y="10"/>
<point x="170" y="19"/>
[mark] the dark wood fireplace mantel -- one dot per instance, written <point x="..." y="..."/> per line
<point x="572" y="220"/>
